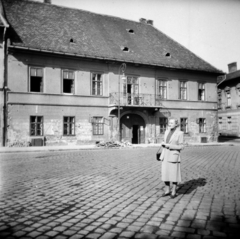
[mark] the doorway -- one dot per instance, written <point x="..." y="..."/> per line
<point x="135" y="134"/>
<point x="133" y="129"/>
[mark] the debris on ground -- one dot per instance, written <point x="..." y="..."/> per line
<point x="113" y="144"/>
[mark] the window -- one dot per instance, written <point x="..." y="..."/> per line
<point x="201" y="91"/>
<point x="68" y="125"/>
<point x="229" y="101"/>
<point x="220" y="123"/>
<point x="68" y="82"/>
<point x="202" y="125"/>
<point x="162" y="89"/>
<point x="36" y="79"/>
<point x="183" y="90"/>
<point x="98" y="124"/>
<point x="229" y="122"/>
<point x="219" y="99"/>
<point x="131" y="91"/>
<point x="96" y="84"/>
<point x="184" y="125"/>
<point x="36" y="125"/>
<point x="163" y="122"/>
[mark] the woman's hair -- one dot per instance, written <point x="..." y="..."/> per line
<point x="176" y="121"/>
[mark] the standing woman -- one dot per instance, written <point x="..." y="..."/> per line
<point x="170" y="157"/>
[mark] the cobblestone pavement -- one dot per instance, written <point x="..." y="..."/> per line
<point x="118" y="194"/>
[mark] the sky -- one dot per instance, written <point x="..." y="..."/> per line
<point x="208" y="28"/>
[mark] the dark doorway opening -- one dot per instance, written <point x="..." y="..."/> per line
<point x="135" y="134"/>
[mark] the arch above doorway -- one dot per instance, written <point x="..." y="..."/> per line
<point x="133" y="128"/>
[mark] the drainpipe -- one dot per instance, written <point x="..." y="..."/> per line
<point x="5" y="88"/>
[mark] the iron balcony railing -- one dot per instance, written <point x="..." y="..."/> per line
<point x="135" y="99"/>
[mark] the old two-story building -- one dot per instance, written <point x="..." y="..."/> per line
<point x="229" y="103"/>
<point x="73" y="77"/>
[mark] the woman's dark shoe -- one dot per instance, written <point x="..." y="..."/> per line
<point x="166" y="194"/>
<point x="173" y="195"/>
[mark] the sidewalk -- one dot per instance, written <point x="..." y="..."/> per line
<point x="94" y="147"/>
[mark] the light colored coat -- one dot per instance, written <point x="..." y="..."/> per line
<point x="172" y="154"/>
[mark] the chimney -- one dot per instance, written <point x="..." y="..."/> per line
<point x="47" y="1"/>
<point x="232" y="67"/>
<point x="150" y="22"/>
<point x="143" y="20"/>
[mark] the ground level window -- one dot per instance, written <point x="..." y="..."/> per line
<point x="229" y="123"/>
<point x="202" y="125"/>
<point x="163" y="122"/>
<point x="184" y="125"/>
<point x="36" y="125"/>
<point x="68" y="125"/>
<point x="97" y="123"/>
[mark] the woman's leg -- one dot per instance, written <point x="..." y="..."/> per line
<point x="167" y="187"/>
<point x="174" y="187"/>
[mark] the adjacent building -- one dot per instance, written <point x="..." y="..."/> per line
<point x="229" y="103"/>
<point x="72" y="77"/>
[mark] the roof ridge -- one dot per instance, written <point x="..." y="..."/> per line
<point x="82" y="10"/>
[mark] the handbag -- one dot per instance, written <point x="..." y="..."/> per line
<point x="158" y="154"/>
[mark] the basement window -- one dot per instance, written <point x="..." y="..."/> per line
<point x="36" y="79"/>
<point x="68" y="82"/>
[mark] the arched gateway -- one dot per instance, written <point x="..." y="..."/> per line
<point x="133" y="129"/>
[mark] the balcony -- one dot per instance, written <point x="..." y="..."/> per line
<point x="144" y="100"/>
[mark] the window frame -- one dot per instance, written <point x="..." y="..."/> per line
<point x="69" y="124"/>
<point x="229" y="99"/>
<point x="229" y="123"/>
<point x="220" y="123"/>
<point x="186" y="125"/>
<point x="74" y="81"/>
<point x="97" y="127"/>
<point x="165" y="124"/>
<point x="203" y="88"/>
<point x="159" y="96"/>
<point x="180" y="89"/>
<point x="91" y="79"/>
<point x="202" y="122"/>
<point x="29" y="79"/>
<point x="35" y="127"/>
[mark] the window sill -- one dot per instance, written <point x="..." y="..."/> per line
<point x="67" y="93"/>
<point x="228" y="107"/>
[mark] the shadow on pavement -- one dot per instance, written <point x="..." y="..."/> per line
<point x="191" y="185"/>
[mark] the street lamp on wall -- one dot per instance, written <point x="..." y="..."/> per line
<point x="121" y="71"/>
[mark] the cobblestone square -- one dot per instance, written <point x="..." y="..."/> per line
<point x="117" y="193"/>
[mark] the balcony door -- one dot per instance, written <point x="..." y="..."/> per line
<point x="131" y="91"/>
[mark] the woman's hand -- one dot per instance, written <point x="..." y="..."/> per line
<point x="166" y="145"/>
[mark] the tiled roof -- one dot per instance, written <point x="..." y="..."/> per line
<point x="233" y="77"/>
<point x="50" y="27"/>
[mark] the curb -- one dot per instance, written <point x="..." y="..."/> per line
<point x="94" y="147"/>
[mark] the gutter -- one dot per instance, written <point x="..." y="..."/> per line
<point x="111" y="59"/>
